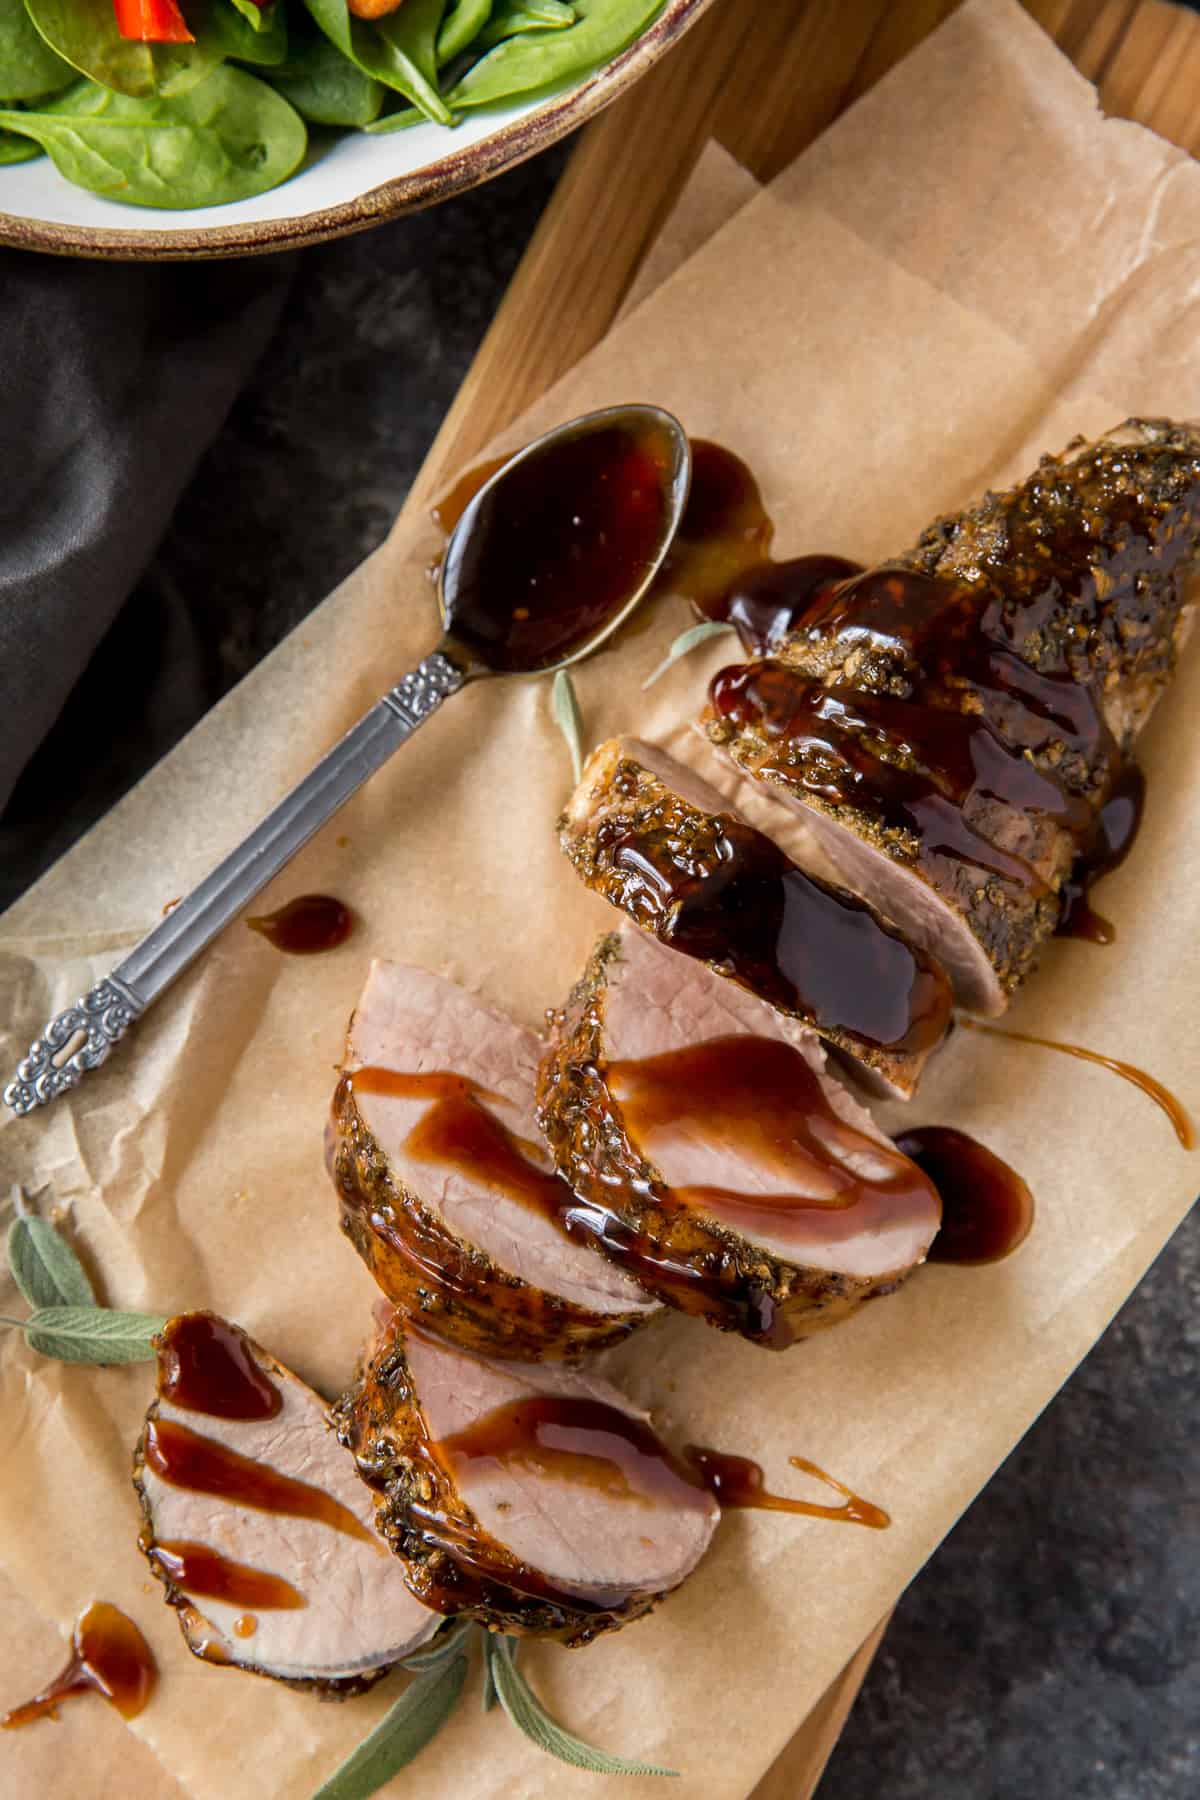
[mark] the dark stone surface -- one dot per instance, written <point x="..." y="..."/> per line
<point x="1049" y="1649"/>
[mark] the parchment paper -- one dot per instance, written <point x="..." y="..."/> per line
<point x="968" y="269"/>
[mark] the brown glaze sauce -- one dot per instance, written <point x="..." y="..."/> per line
<point x="205" y="1365"/>
<point x="966" y="733"/>
<point x="1113" y="833"/>
<point x="109" y="1656"/>
<point x="987" y="1210"/>
<point x="557" y="547"/>
<point x="805" y="946"/>
<point x="1162" y="1096"/>
<point x="762" y="1099"/>
<point x="307" y="925"/>
<point x="459" y="1131"/>
<point x="200" y="1570"/>
<point x="735" y="1483"/>
<point x="246" y="1626"/>
<point x="204" y="1466"/>
<point x="578" y="1440"/>
<point x="720" y="558"/>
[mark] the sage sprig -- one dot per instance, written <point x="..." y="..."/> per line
<point x="527" y="1713"/>
<point x="568" y="718"/>
<point x="686" y="642"/>
<point x="402" y="1733"/>
<point x="90" y="1334"/>
<point x="67" y="1322"/>
<point x="44" y="1266"/>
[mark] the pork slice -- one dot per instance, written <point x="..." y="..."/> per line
<point x="949" y="724"/>
<point x="472" y="1244"/>
<point x="536" y="1500"/>
<point x="315" y="1603"/>
<point x="713" y="1154"/>
<point x="654" y="839"/>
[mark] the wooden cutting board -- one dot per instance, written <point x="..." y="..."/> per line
<point x="762" y="80"/>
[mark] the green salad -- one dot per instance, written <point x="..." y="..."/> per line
<point x="184" y="103"/>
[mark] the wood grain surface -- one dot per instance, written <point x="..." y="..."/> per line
<point x="763" y="81"/>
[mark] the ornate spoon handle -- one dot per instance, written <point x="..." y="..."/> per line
<point x="104" y="1015"/>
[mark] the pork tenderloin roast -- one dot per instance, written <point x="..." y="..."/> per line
<point x="951" y="722"/>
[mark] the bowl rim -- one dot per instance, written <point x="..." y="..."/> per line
<point x="511" y="143"/>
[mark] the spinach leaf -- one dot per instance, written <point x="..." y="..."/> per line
<point x="396" y="121"/>
<point x="28" y="66"/>
<point x="524" y="15"/>
<point x="260" y="18"/>
<point x="325" y="87"/>
<point x="460" y="28"/>
<point x="16" y="150"/>
<point x="399" y="50"/>
<point x="538" y="59"/>
<point x="225" y="139"/>
<point x="229" y="29"/>
<point x="85" y="33"/>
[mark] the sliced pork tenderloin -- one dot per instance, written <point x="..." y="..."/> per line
<point x="950" y="724"/>
<point x="536" y="1500"/>
<point x="666" y="849"/>
<point x="447" y="1191"/>
<point x="257" y="1525"/>
<point x="713" y="1155"/>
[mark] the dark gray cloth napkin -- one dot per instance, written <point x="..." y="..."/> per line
<point x="114" y="380"/>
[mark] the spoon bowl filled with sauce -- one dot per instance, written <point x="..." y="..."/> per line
<point x="549" y="557"/>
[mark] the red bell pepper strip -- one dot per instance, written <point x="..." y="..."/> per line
<point x="152" y="21"/>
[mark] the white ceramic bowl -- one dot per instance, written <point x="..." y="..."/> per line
<point x="355" y="182"/>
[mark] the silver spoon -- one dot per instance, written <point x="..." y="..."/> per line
<point x="82" y="1036"/>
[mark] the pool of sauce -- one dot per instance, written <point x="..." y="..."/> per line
<point x="1112" y="835"/>
<point x="987" y="1209"/>
<point x="737" y="1483"/>
<point x="805" y="946"/>
<point x="559" y="546"/>
<point x="760" y="1099"/>
<point x="307" y="925"/>
<point x="200" y="1570"/>
<point x="206" y="1365"/>
<point x="575" y="1439"/>
<point x="1162" y="1096"/>
<point x="109" y="1656"/>
<point x="185" y="1459"/>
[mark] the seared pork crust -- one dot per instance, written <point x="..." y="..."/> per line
<point x="1064" y="602"/>
<point x="449" y="1286"/>
<point x="696" y="1265"/>
<point x="451" y="1563"/>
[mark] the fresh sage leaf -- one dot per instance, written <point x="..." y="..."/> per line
<point x="226" y="139"/>
<point x="450" y="1641"/>
<point x="568" y="718"/>
<point x="524" y="15"/>
<point x="93" y="1334"/>
<point x="489" y="1699"/>
<point x="28" y="66"/>
<point x="460" y="27"/>
<point x="536" y="60"/>
<point x="687" y="641"/>
<point x="399" y="50"/>
<point x="85" y="33"/>
<point x="401" y="1734"/>
<point x="325" y="87"/>
<point x="43" y="1264"/>
<point x="528" y="1714"/>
